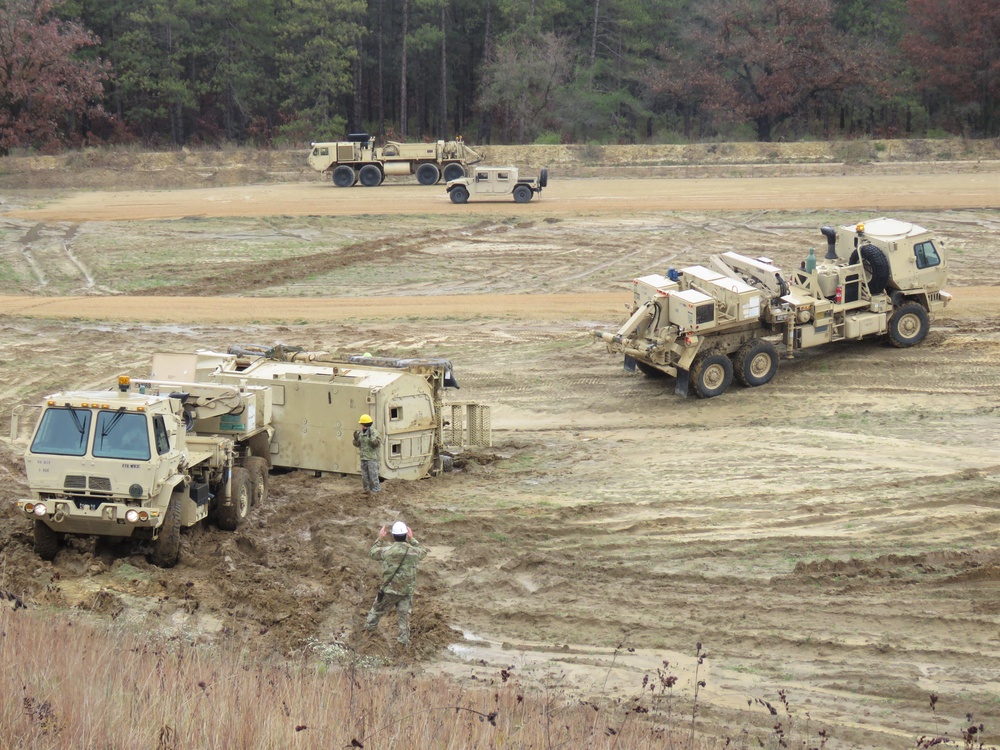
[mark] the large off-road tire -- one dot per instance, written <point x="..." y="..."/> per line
<point x="909" y="325"/>
<point x="344" y="176"/>
<point x="257" y="469"/>
<point x="876" y="267"/>
<point x="755" y="363"/>
<point x="522" y="194"/>
<point x="47" y="541"/>
<point x="454" y="172"/>
<point x="543" y="178"/>
<point x="711" y="374"/>
<point x="167" y="546"/>
<point x="428" y="174"/>
<point x="459" y="194"/>
<point x="231" y="516"/>
<point x="370" y="176"/>
<point x="649" y="371"/>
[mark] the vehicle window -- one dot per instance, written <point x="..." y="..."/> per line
<point x="927" y="255"/>
<point x="324" y="152"/>
<point x="503" y="176"/>
<point x="482" y="177"/>
<point x="160" y="435"/>
<point x="119" y="434"/>
<point x="315" y="152"/>
<point x="62" y="432"/>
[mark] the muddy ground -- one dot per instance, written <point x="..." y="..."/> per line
<point x="832" y="535"/>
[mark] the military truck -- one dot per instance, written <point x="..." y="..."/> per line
<point x="705" y="326"/>
<point x="497" y="181"/>
<point x="196" y="440"/>
<point x="359" y="160"/>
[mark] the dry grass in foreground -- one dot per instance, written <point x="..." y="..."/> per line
<point x="70" y="684"/>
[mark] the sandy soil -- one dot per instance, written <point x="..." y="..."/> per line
<point x="831" y="535"/>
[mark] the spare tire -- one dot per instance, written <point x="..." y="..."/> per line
<point x="876" y="267"/>
<point x="543" y="177"/>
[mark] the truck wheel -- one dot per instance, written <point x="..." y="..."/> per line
<point x="428" y="174"/>
<point x="47" y="542"/>
<point x="257" y="469"/>
<point x="522" y="194"/>
<point x="454" y="172"/>
<point x="712" y="374"/>
<point x="650" y="372"/>
<point x="343" y="176"/>
<point x="459" y="194"/>
<point x="909" y="325"/>
<point x="876" y="267"/>
<point x="370" y="176"/>
<point x="756" y="363"/>
<point x="231" y="516"/>
<point x="167" y="547"/>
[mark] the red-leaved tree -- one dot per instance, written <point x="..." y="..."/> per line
<point x="955" y="47"/>
<point x="46" y="89"/>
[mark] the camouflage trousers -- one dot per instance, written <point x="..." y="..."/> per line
<point x="369" y="476"/>
<point x="403" y="606"/>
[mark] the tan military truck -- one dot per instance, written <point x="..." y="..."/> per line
<point x="197" y="439"/>
<point x="497" y="181"/>
<point x="359" y="160"/>
<point x="705" y="326"/>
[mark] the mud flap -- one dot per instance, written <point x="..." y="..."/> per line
<point x="681" y="388"/>
<point x="629" y="364"/>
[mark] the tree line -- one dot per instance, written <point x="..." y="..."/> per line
<point x="187" y="72"/>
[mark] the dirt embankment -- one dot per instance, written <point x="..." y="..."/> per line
<point x="107" y="169"/>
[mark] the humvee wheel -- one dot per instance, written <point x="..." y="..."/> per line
<point x="522" y="194"/>
<point x="257" y="469"/>
<point x="909" y="325"/>
<point x="47" y="542"/>
<point x="231" y="516"/>
<point x="459" y="194"/>
<point x="712" y="374"/>
<point x="370" y="176"/>
<point x="167" y="547"/>
<point x="649" y="371"/>
<point x="755" y="363"/>
<point x="428" y="174"/>
<point x="876" y="267"/>
<point x="343" y="176"/>
<point x="454" y="172"/>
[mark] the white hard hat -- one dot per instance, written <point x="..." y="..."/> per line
<point x="399" y="528"/>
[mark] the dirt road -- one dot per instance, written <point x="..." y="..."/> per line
<point x="831" y="535"/>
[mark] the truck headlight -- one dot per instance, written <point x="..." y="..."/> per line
<point x="40" y="509"/>
<point x="132" y="516"/>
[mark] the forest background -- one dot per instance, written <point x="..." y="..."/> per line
<point x="167" y="73"/>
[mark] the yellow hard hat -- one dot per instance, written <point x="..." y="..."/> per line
<point x="365" y="419"/>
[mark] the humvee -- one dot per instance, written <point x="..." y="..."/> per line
<point x="491" y="181"/>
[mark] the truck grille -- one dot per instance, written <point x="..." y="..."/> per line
<point x="78" y="482"/>
<point x="100" y="484"/>
<point x="75" y="482"/>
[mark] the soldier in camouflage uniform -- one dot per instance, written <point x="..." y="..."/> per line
<point x="400" y="561"/>
<point x="367" y="440"/>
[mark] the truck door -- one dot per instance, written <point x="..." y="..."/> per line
<point x="409" y="431"/>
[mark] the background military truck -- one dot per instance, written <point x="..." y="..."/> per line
<point x="497" y="181"/>
<point x="197" y="439"/>
<point x="706" y="326"/>
<point x="358" y="159"/>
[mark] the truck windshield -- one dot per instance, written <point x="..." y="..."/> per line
<point x="119" y="434"/>
<point x="63" y="432"/>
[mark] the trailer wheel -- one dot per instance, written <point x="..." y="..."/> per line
<point x="257" y="469"/>
<point x="756" y="363"/>
<point x="454" y="172"/>
<point x="522" y="194"/>
<point x="343" y="176"/>
<point x="167" y="547"/>
<point x="428" y="174"/>
<point x="876" y="267"/>
<point x="651" y="372"/>
<point x="459" y="194"/>
<point x="712" y="374"/>
<point x="370" y="176"/>
<point x="47" y="542"/>
<point x="909" y="325"/>
<point x="231" y="516"/>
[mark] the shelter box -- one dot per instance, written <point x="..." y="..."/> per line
<point x="650" y="287"/>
